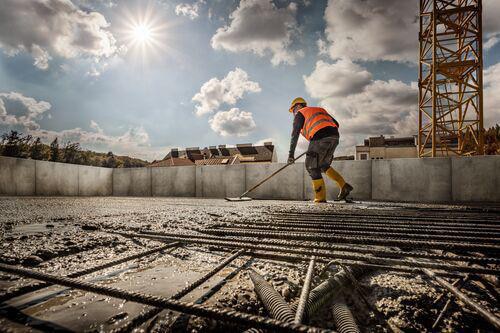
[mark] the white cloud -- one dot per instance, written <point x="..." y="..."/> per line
<point x="228" y="90"/>
<point x="232" y="123"/>
<point x="491" y="106"/>
<point x="41" y="57"/>
<point x="338" y="79"/>
<point x="322" y="47"/>
<point x="491" y="24"/>
<point x="46" y="28"/>
<point x="21" y="113"/>
<point x="260" y="27"/>
<point x="373" y="29"/>
<point x="189" y="10"/>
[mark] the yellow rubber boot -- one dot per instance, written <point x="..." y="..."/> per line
<point x="336" y="177"/>
<point x="319" y="190"/>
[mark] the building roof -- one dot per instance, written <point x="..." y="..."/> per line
<point x="382" y="141"/>
<point x="172" y="161"/>
<point x="218" y="161"/>
<point x="247" y="153"/>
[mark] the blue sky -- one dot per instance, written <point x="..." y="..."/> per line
<point x="88" y="80"/>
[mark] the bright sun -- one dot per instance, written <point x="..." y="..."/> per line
<point x="142" y="33"/>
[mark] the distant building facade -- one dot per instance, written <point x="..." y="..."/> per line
<point x="380" y="147"/>
<point x="220" y="155"/>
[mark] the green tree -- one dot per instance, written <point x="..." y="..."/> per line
<point x="54" y="151"/>
<point x="110" y="161"/>
<point x="16" y="145"/>
<point x="37" y="151"/>
<point x="71" y="152"/>
<point x="11" y="144"/>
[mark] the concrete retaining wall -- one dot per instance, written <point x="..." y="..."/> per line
<point x="134" y="182"/>
<point x="476" y="178"/>
<point x="412" y="179"/>
<point x="174" y="181"/>
<point x="93" y="181"/>
<point x="17" y="176"/>
<point x="219" y="181"/>
<point x="455" y="179"/>
<point x="56" y="178"/>
<point x="29" y="177"/>
<point x="288" y="184"/>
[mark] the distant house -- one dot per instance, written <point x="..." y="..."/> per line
<point x="220" y="155"/>
<point x="380" y="147"/>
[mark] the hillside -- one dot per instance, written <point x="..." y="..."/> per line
<point x="15" y="144"/>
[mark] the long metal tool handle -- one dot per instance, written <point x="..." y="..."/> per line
<point x="271" y="176"/>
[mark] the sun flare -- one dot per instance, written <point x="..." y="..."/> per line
<point x="142" y="33"/>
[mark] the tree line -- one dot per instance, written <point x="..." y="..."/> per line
<point x="15" y="144"/>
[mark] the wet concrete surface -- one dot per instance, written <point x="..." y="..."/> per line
<point x="63" y="235"/>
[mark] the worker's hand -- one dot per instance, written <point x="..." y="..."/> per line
<point x="291" y="160"/>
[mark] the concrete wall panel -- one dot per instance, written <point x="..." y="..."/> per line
<point x="476" y="178"/>
<point x="412" y="179"/>
<point x="17" y="176"/>
<point x="210" y="181"/>
<point x="219" y="181"/>
<point x="135" y="182"/>
<point x="289" y="184"/>
<point x="95" y="181"/>
<point x="174" y="181"/>
<point x="56" y="178"/>
<point x="235" y="180"/>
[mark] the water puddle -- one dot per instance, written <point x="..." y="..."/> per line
<point x="79" y="311"/>
<point x="37" y="228"/>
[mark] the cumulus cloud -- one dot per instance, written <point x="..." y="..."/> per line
<point x="46" y="28"/>
<point x="372" y="29"/>
<point x="22" y="113"/>
<point x="491" y="24"/>
<point x="491" y="96"/>
<point x="228" y="90"/>
<point x="234" y="122"/>
<point x="189" y="10"/>
<point x="338" y="79"/>
<point x="260" y="27"/>
<point x="25" y="111"/>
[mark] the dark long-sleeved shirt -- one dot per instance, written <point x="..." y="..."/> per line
<point x="298" y="123"/>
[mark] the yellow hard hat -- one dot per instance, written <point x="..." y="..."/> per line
<point x="298" y="100"/>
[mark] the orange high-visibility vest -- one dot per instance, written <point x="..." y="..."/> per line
<point x="315" y="119"/>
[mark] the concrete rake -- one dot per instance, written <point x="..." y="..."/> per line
<point x="242" y="196"/>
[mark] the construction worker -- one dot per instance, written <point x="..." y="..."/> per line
<point x="321" y="130"/>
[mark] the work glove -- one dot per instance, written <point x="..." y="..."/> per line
<point x="291" y="160"/>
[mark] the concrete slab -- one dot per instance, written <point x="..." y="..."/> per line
<point x="95" y="181"/>
<point x="289" y="184"/>
<point x="17" y="176"/>
<point x="356" y="173"/>
<point x="412" y="179"/>
<point x="134" y="182"/>
<point x="476" y="178"/>
<point x="174" y="181"/>
<point x="54" y="178"/>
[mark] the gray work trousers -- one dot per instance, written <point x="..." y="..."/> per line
<point x="319" y="155"/>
